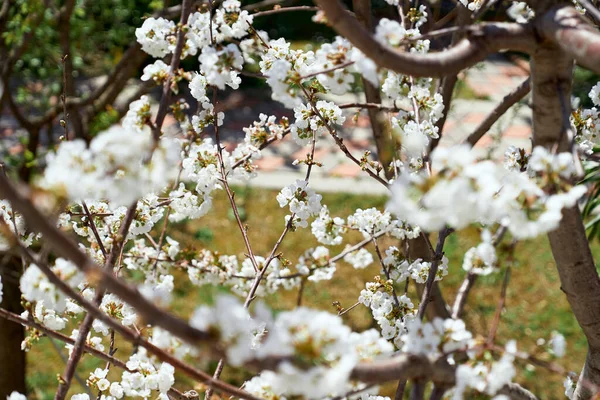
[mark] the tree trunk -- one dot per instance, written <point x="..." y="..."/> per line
<point x="552" y="72"/>
<point x="12" y="359"/>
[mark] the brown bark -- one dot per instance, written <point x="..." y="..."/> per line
<point x="419" y="248"/>
<point x="480" y="41"/>
<point x="551" y="70"/>
<point x="565" y="26"/>
<point x="12" y="359"/>
<point x="385" y="150"/>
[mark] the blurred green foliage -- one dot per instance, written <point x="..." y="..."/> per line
<point x="100" y="30"/>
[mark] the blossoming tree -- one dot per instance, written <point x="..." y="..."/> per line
<point x="96" y="206"/>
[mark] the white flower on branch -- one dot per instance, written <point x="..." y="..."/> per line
<point x="359" y="259"/>
<point x="154" y="36"/>
<point x="328" y="230"/>
<point x="302" y="200"/>
<point x="158" y="72"/>
<point x="481" y="260"/>
<point x="113" y="168"/>
<point x="35" y="286"/>
<point x="16" y="396"/>
<point x="520" y="12"/>
<point x="464" y="191"/>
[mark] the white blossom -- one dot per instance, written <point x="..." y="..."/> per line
<point x="520" y="12"/>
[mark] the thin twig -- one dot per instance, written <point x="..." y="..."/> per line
<point x="439" y="251"/>
<point x="166" y="93"/>
<point x="507" y="102"/>
<point x="501" y="302"/>
<point x="283" y="10"/>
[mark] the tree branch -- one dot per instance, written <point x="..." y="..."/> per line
<point x="65" y="247"/>
<point x="173" y="393"/>
<point x="517" y="392"/>
<point x="552" y="67"/>
<point x="166" y="93"/>
<point x="385" y="149"/>
<point x="86" y="325"/>
<point x="507" y="102"/>
<point x="481" y="40"/>
<point x="566" y="28"/>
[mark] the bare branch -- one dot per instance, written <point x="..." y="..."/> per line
<point x="381" y="136"/>
<point x="376" y="106"/>
<point x="405" y="367"/>
<point x="516" y="392"/>
<point x="500" y="307"/>
<point x="284" y="9"/>
<point x="462" y="295"/>
<point x="166" y="93"/>
<point x="481" y="40"/>
<point x="439" y="251"/>
<point x="507" y="102"/>
<point x="421" y="247"/>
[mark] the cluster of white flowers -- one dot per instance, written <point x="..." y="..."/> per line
<point x="371" y="222"/>
<point x="481" y="260"/>
<point x="107" y="222"/>
<point x="114" y="167"/>
<point x="151" y="260"/>
<point x="220" y="66"/>
<point x="328" y="230"/>
<point x="436" y="337"/>
<point x="173" y="345"/>
<point x="520" y="12"/>
<point x="142" y="378"/>
<point x="390" y="316"/>
<point x="316" y="265"/>
<point x="15" y="223"/>
<point x="311" y="122"/>
<point x="314" y="338"/>
<point x="36" y="287"/>
<point x="209" y="268"/>
<point x="587" y="122"/>
<point x="117" y="309"/>
<point x="332" y="55"/>
<point x="283" y="67"/>
<point x="472" y="5"/>
<point x="156" y="36"/>
<point x="319" y="339"/>
<point x="318" y="352"/>
<point x="158" y="72"/>
<point x="462" y="191"/>
<point x="359" y="259"/>
<point x="303" y="202"/>
<point x="515" y="159"/>
<point x="485" y="378"/>
<point x="419" y="270"/>
<point x="265" y="128"/>
<point x="92" y="341"/>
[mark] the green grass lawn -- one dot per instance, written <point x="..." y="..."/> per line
<point x="535" y="306"/>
